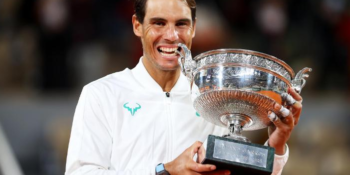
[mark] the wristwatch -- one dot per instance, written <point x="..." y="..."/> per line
<point x="160" y="170"/>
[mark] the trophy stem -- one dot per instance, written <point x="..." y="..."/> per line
<point x="235" y="123"/>
<point x="236" y="129"/>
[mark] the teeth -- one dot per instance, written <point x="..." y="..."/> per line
<point x="166" y="54"/>
<point x="167" y="49"/>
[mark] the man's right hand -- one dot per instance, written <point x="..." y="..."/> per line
<point x="185" y="165"/>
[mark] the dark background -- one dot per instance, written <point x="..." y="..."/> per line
<point x="49" y="49"/>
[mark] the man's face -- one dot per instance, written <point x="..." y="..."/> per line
<point x="166" y="23"/>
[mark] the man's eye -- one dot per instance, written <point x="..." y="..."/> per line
<point x="181" y="24"/>
<point x="159" y="23"/>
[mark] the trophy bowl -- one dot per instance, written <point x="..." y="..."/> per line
<point x="235" y="89"/>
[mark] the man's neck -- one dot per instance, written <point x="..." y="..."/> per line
<point x="165" y="78"/>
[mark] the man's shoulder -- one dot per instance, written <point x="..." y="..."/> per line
<point x="113" y="81"/>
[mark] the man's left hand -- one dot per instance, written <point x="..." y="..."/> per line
<point x="284" y="123"/>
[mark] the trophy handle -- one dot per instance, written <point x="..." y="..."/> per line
<point x="299" y="80"/>
<point x="187" y="64"/>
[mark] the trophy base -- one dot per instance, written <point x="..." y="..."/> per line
<point x="240" y="158"/>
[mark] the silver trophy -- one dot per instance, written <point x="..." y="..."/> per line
<point x="236" y="88"/>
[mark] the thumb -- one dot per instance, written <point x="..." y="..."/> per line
<point x="197" y="167"/>
<point x="195" y="148"/>
<point x="200" y="154"/>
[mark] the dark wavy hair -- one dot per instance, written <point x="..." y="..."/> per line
<point x="140" y="5"/>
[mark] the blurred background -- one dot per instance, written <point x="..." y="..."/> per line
<point x="49" y="49"/>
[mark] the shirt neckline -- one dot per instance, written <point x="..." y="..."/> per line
<point x="146" y="81"/>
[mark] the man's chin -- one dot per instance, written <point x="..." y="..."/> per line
<point x="170" y="68"/>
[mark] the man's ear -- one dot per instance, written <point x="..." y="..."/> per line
<point x="137" y="26"/>
<point x="194" y="28"/>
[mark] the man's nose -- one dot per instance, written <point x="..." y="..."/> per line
<point x="171" y="33"/>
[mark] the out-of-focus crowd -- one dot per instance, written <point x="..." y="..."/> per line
<point x="49" y="49"/>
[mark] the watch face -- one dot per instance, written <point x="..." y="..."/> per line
<point x="160" y="168"/>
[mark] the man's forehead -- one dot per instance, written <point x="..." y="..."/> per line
<point x="166" y="7"/>
<point x="166" y="4"/>
<point x="184" y="1"/>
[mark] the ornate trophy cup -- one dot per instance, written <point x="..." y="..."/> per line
<point x="236" y="88"/>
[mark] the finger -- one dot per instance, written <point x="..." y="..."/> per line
<point x="296" y="108"/>
<point x="197" y="167"/>
<point x="293" y="105"/>
<point x="288" y="99"/>
<point x="295" y="95"/>
<point x="200" y="154"/>
<point x="297" y="105"/>
<point x="286" y="115"/>
<point x="274" y="119"/>
<point x="296" y="117"/>
<point x="282" y="110"/>
<point x="195" y="147"/>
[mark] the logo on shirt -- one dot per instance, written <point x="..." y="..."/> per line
<point x="132" y="109"/>
<point x="197" y="114"/>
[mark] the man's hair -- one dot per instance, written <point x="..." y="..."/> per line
<point x="140" y="9"/>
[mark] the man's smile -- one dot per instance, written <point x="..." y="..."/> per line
<point x="168" y="51"/>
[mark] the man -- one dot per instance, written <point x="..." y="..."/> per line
<point x="129" y="122"/>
